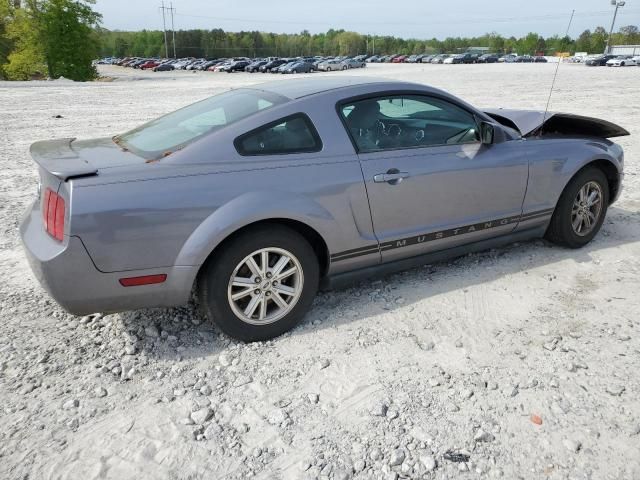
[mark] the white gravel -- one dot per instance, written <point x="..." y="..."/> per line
<point x="439" y="372"/>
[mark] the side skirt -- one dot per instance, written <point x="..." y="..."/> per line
<point x="345" y="279"/>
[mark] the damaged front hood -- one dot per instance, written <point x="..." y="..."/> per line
<point x="531" y="122"/>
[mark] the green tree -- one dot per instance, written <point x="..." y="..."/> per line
<point x="583" y="43"/>
<point x="26" y="59"/>
<point x="598" y="40"/>
<point x="59" y="33"/>
<point x="6" y="44"/>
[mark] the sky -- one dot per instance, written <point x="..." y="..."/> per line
<point x="421" y="19"/>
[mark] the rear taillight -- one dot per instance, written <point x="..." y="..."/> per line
<point x="53" y="214"/>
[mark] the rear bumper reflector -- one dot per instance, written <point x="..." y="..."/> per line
<point x="144" y="280"/>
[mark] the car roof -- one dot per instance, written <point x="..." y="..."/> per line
<point x="303" y="87"/>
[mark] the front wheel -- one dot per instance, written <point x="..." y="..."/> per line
<point x="581" y="209"/>
<point x="260" y="284"/>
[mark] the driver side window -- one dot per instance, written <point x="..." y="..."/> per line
<point x="407" y="121"/>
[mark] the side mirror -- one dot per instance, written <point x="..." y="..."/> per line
<point x="486" y="133"/>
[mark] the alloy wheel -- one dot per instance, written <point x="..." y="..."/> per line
<point x="586" y="209"/>
<point x="265" y="286"/>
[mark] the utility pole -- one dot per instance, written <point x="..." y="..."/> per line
<point x="173" y="30"/>
<point x="617" y="4"/>
<point x="164" y="29"/>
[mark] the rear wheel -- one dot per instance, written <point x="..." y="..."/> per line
<point x="260" y="284"/>
<point x="581" y="209"/>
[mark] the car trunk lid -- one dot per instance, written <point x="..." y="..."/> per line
<point x="68" y="158"/>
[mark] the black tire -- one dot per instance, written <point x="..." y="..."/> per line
<point x="214" y="281"/>
<point x="560" y="230"/>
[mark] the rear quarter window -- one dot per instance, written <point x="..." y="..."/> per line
<point x="293" y="134"/>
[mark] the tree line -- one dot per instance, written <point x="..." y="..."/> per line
<point x="217" y="43"/>
<point x="54" y="38"/>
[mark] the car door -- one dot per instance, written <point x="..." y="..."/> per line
<point x="431" y="183"/>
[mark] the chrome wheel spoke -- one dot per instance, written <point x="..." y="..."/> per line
<point x="242" y="293"/>
<point x="576" y="224"/>
<point x="278" y="300"/>
<point x="253" y="304"/>
<point x="242" y="282"/>
<point x="263" y="309"/>
<point x="287" y="273"/>
<point x="253" y="266"/>
<point x="280" y="264"/>
<point x="285" y="289"/>
<point x="264" y="262"/>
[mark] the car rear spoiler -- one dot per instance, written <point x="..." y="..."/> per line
<point x="58" y="158"/>
<point x="531" y="123"/>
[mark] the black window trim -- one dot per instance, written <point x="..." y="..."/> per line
<point x="393" y="93"/>
<point x="312" y="129"/>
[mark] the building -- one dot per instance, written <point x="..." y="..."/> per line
<point x="625" y="50"/>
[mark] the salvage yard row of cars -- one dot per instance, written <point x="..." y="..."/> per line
<point x="242" y="64"/>
<point x="328" y="64"/>
<point x="307" y="64"/>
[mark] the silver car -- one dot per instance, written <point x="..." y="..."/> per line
<point x="257" y="197"/>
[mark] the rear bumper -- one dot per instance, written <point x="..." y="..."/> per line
<point x="66" y="271"/>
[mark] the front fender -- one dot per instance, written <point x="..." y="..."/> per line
<point x="250" y="208"/>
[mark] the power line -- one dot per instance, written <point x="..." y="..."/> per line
<point x="401" y="22"/>
<point x="171" y="11"/>
<point x="164" y="29"/>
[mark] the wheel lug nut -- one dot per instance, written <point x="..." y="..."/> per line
<point x="257" y="292"/>
<point x="269" y="275"/>
<point x="267" y="294"/>
<point x="258" y="280"/>
<point x="275" y="282"/>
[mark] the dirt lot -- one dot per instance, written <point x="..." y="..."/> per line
<point x="380" y="380"/>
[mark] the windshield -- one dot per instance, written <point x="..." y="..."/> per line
<point x="177" y="129"/>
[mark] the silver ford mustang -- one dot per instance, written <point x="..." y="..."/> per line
<point x="259" y="196"/>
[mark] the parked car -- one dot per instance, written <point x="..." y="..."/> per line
<point x="282" y="67"/>
<point x="439" y="58"/>
<point x="427" y="59"/>
<point x="266" y="68"/>
<point x="352" y="63"/>
<point x="399" y="59"/>
<point x="524" y="59"/>
<point x="488" y="58"/>
<point x="329" y="65"/>
<point x="164" y="67"/>
<point x="510" y="58"/>
<point x="540" y="59"/>
<point x="119" y="224"/>
<point x="149" y="65"/>
<point x="255" y="66"/>
<point x="454" y="59"/>
<point x="237" y="66"/>
<point x="622" y="61"/>
<point x="598" y="61"/>
<point x="298" y="67"/>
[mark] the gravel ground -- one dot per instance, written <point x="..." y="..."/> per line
<point x="514" y="363"/>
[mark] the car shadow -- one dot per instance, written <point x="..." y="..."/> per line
<point x="187" y="334"/>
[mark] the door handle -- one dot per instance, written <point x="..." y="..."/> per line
<point x="392" y="177"/>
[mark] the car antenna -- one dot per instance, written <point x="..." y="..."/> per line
<point x="555" y="75"/>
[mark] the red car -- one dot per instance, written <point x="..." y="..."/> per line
<point x="399" y="59"/>
<point x="149" y="64"/>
